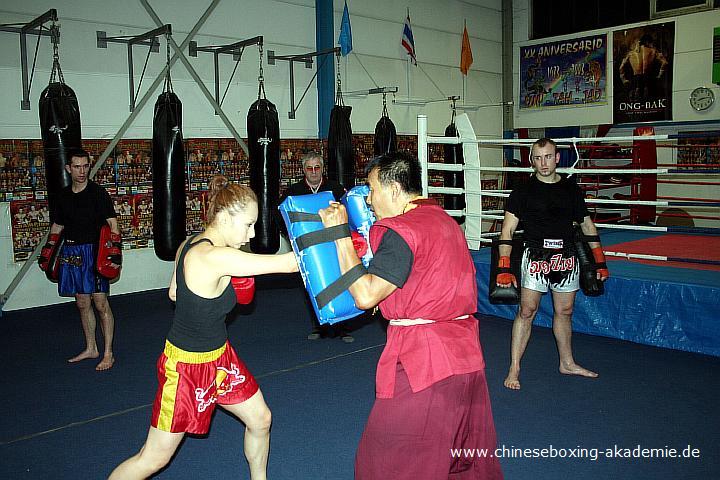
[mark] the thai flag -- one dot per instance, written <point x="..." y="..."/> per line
<point x="407" y="40"/>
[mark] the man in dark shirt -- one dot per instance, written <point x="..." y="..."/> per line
<point x="83" y="208"/>
<point x="314" y="182"/>
<point x="547" y="205"/>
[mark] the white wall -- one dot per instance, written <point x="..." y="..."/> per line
<point x="100" y="80"/>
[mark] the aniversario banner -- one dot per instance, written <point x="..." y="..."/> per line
<point x="565" y="73"/>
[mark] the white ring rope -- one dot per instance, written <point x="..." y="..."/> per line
<point x="475" y="211"/>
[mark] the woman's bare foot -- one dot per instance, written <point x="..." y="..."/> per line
<point x="84" y="355"/>
<point x="106" y="363"/>
<point x="575" y="369"/>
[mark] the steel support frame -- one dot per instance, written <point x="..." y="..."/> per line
<point x="307" y="59"/>
<point x="148" y="38"/>
<point x="108" y="150"/>
<point x="30" y="28"/>
<point x="233" y="49"/>
<point x="198" y="80"/>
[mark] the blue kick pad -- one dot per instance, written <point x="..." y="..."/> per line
<point x="318" y="263"/>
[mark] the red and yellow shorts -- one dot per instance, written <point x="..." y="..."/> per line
<point x="191" y="383"/>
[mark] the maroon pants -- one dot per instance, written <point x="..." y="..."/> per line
<point x="411" y="436"/>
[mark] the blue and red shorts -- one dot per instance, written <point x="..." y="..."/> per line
<point x="77" y="271"/>
<point x="191" y="383"/>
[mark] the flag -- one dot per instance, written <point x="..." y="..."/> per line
<point x="466" y="58"/>
<point x="345" y="40"/>
<point x="407" y="40"/>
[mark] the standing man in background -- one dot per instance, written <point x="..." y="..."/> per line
<point x="83" y="208"/>
<point x="313" y="182"/>
<point x="547" y="205"/>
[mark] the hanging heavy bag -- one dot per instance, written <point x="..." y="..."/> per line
<point x="60" y="130"/>
<point x="168" y="159"/>
<point x="264" y="145"/>
<point x="385" y="134"/>
<point x="453" y="154"/>
<point x="341" y="156"/>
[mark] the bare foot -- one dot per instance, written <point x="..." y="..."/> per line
<point x="106" y="363"/>
<point x="512" y="381"/>
<point x="84" y="355"/>
<point x="575" y="369"/>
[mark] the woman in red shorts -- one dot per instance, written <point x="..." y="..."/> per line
<point x="199" y="369"/>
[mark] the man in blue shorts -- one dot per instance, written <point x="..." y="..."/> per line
<point x="83" y="208"/>
<point x="547" y="205"/>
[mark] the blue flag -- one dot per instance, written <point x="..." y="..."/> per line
<point x="345" y="39"/>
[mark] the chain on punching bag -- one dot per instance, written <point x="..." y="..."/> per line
<point x="453" y="154"/>
<point x="263" y="129"/>
<point x="341" y="156"/>
<point x="59" y="127"/>
<point x="168" y="160"/>
<point x="385" y="133"/>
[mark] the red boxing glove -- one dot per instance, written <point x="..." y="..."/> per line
<point x="244" y="289"/>
<point x="47" y="251"/>
<point x="600" y="265"/>
<point x="109" y="253"/>
<point x="359" y="242"/>
<point x="505" y="277"/>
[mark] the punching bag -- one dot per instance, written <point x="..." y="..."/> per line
<point x="453" y="154"/>
<point x="341" y="157"/>
<point x="168" y="162"/>
<point x="385" y="135"/>
<point x="60" y="130"/>
<point x="264" y="144"/>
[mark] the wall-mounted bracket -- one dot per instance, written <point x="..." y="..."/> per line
<point x="234" y="49"/>
<point x="148" y="38"/>
<point x="307" y="59"/>
<point x="371" y="91"/>
<point x="31" y="28"/>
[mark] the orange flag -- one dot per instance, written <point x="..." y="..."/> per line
<point x="466" y="58"/>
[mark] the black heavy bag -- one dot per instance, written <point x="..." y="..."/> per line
<point x="505" y="295"/>
<point x="60" y="130"/>
<point x="341" y="156"/>
<point x="264" y="144"/>
<point x="385" y="136"/>
<point x="168" y="158"/>
<point x="589" y="283"/>
<point x="453" y="154"/>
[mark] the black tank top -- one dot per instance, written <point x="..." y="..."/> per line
<point x="199" y="323"/>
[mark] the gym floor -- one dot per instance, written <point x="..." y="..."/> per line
<point x="69" y="421"/>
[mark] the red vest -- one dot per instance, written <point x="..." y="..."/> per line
<point x="441" y="287"/>
<point x="442" y="284"/>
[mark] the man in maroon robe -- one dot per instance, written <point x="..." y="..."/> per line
<point x="431" y="392"/>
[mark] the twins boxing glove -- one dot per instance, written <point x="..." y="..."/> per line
<point x="244" y="289"/>
<point x="109" y="257"/>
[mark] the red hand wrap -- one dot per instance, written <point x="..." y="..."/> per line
<point x="359" y="242"/>
<point x="599" y="257"/>
<point x="505" y="278"/>
<point x="504" y="262"/>
<point x="244" y="289"/>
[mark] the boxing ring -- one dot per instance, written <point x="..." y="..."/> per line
<point x="664" y="288"/>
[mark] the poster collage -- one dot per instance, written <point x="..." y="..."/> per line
<point x="127" y="176"/>
<point x="574" y="73"/>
